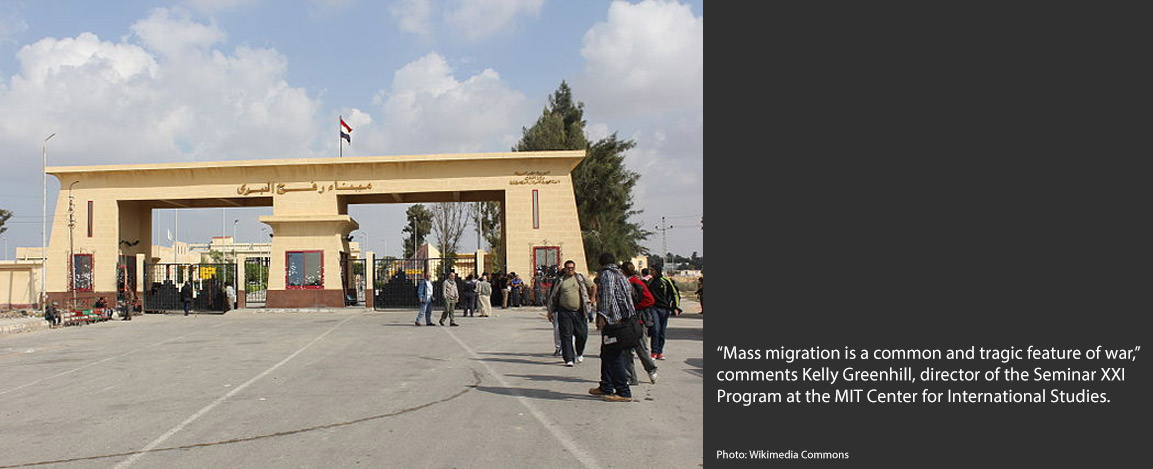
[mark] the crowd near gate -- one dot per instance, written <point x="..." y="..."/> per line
<point x="163" y="282"/>
<point x="395" y="280"/>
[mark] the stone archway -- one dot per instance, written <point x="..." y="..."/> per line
<point x="310" y="199"/>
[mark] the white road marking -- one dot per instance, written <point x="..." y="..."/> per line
<point x="553" y="427"/>
<point x="57" y="375"/>
<point x="140" y="453"/>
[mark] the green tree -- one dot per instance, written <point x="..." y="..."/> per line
<point x="602" y="185"/>
<point x="488" y="218"/>
<point x="419" y="225"/>
<point x="4" y="216"/>
<point x="256" y="275"/>
<point x="604" y="201"/>
<point x="561" y="125"/>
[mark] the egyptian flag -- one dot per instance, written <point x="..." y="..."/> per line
<point x="345" y="131"/>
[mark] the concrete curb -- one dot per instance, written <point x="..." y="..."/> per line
<point x="18" y="325"/>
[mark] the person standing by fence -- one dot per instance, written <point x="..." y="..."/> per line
<point x="484" y="295"/>
<point x="451" y="296"/>
<point x="468" y="297"/>
<point x="186" y="296"/>
<point x="424" y="299"/>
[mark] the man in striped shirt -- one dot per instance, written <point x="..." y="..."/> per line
<point x="614" y="304"/>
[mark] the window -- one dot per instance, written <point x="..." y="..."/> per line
<point x="82" y="272"/>
<point x="546" y="258"/>
<point x="535" y="209"/>
<point x="304" y="270"/>
<point x="89" y="218"/>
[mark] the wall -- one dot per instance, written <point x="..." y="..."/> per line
<point x="19" y="283"/>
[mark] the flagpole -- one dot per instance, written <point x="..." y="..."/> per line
<point x="340" y="138"/>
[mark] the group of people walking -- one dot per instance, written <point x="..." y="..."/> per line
<point x="473" y="295"/>
<point x="630" y="310"/>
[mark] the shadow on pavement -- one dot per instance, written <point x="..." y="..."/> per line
<point x="698" y="365"/>
<point x="518" y="360"/>
<point x="545" y="355"/>
<point x="684" y="333"/>
<point x="533" y="393"/>
<point x="567" y="379"/>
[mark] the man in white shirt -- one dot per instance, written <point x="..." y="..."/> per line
<point x="424" y="297"/>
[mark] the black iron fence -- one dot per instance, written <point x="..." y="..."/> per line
<point x="395" y="280"/>
<point x="163" y="283"/>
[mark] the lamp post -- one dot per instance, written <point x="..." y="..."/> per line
<point x="234" y="222"/>
<point x="44" y="218"/>
<point x="71" y="249"/>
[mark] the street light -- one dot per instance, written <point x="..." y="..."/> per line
<point x="44" y="218"/>
<point x="71" y="249"/>
<point x="234" y="222"/>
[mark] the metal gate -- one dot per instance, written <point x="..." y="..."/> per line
<point x="164" y="281"/>
<point x="126" y="279"/>
<point x="256" y="281"/>
<point x="395" y="280"/>
<point x="352" y="276"/>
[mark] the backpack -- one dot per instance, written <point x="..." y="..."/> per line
<point x="674" y="299"/>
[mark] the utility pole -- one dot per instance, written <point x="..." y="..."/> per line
<point x="663" y="228"/>
<point x="44" y="220"/>
<point x="234" y="222"/>
<point x="71" y="249"/>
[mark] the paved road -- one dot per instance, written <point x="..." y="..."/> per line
<point x="336" y="389"/>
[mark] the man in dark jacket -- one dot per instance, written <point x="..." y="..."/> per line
<point x="667" y="302"/>
<point x="468" y="297"/>
<point x="186" y="296"/>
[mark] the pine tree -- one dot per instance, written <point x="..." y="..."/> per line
<point x="4" y="216"/>
<point x="602" y="185"/>
<point x="488" y="218"/>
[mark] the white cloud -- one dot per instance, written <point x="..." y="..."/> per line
<point x="173" y="32"/>
<point x="429" y="110"/>
<point x="167" y="97"/>
<point x="597" y="131"/>
<point x="11" y="23"/>
<point x="668" y="157"/>
<point x="330" y="3"/>
<point x="212" y="6"/>
<point x="479" y="19"/>
<point x="413" y="16"/>
<point x="646" y="58"/>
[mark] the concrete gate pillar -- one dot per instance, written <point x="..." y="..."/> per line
<point x="241" y="281"/>
<point x="307" y="220"/>
<point x="369" y="279"/>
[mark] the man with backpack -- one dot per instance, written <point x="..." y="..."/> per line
<point x="667" y="299"/>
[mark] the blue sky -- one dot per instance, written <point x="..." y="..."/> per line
<point x="207" y="80"/>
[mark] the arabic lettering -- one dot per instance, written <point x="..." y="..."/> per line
<point x="281" y="188"/>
